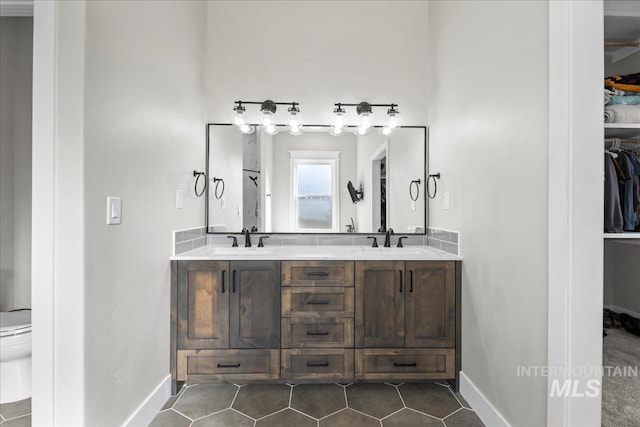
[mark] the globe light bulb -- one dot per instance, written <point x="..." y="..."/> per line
<point x="337" y="128"/>
<point x="294" y="121"/>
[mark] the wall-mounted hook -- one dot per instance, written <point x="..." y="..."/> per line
<point x="195" y="187"/>
<point x="218" y="181"/>
<point x="417" y="184"/>
<point x="433" y="176"/>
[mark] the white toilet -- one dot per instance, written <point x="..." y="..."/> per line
<point x="15" y="355"/>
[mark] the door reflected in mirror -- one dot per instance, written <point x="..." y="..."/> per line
<point x="300" y="184"/>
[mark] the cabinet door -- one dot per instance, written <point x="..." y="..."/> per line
<point x="431" y="305"/>
<point x="203" y="304"/>
<point x="379" y="319"/>
<point x="255" y="304"/>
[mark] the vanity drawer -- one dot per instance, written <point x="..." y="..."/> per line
<point x="317" y="273"/>
<point x="324" y="332"/>
<point x="400" y="364"/>
<point x="336" y="364"/>
<point x="317" y="302"/>
<point x="196" y="365"/>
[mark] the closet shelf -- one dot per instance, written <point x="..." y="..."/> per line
<point x="621" y="25"/>
<point x="622" y="130"/>
<point x="628" y="235"/>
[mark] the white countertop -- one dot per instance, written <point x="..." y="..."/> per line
<point x="349" y="253"/>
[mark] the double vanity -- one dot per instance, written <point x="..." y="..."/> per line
<point x="315" y="314"/>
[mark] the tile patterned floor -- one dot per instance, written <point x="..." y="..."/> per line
<point x="16" y="414"/>
<point x="317" y="405"/>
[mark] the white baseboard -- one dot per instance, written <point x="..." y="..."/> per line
<point x="484" y="409"/>
<point x="148" y="409"/>
<point x="618" y="309"/>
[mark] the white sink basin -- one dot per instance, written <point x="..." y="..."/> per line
<point x="395" y="250"/>
<point x="240" y="251"/>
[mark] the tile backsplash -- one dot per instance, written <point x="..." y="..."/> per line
<point x="446" y="240"/>
<point x="187" y="239"/>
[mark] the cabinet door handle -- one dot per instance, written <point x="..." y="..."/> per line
<point x="233" y="282"/>
<point x="318" y="333"/>
<point x="318" y="302"/>
<point x="411" y="364"/>
<point x="223" y="273"/>
<point x="410" y="280"/>
<point x="400" y="271"/>
<point x="318" y="273"/>
<point x="317" y="365"/>
<point x="235" y="365"/>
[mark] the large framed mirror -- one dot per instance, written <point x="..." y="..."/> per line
<point x="316" y="182"/>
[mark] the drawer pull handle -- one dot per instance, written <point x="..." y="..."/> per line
<point x="236" y="365"/>
<point x="223" y="273"/>
<point x="318" y="302"/>
<point x="410" y="281"/>
<point x="412" y="364"/>
<point x="317" y="333"/>
<point x="233" y="282"/>
<point x="318" y="273"/>
<point x="317" y="365"/>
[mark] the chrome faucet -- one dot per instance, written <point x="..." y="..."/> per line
<point x="387" y="238"/>
<point x="247" y="237"/>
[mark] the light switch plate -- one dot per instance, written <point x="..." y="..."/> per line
<point x="446" y="203"/>
<point x="114" y="210"/>
<point x="179" y="199"/>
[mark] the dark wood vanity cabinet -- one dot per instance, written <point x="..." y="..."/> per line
<point x="405" y="323"/>
<point x="228" y="320"/>
<point x="315" y="320"/>
<point x="254" y="312"/>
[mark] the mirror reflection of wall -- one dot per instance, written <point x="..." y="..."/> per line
<point x="251" y="188"/>
<point x="286" y="183"/>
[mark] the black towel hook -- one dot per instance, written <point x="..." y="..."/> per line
<point x="215" y="192"/>
<point x="417" y="184"/>
<point x="195" y="187"/>
<point x="433" y="176"/>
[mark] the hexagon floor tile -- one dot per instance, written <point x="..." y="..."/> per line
<point x="463" y="418"/>
<point x="205" y="399"/>
<point x="408" y="417"/>
<point x="317" y="405"/>
<point x="432" y="399"/>
<point x="377" y="400"/>
<point x="318" y="400"/>
<point x="287" y="417"/>
<point x="260" y="400"/>
<point x="226" y="418"/>
<point x="349" y="418"/>
<point x="170" y="418"/>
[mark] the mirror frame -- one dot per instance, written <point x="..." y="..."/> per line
<point x="293" y="233"/>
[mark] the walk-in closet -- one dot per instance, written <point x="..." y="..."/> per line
<point x="621" y="341"/>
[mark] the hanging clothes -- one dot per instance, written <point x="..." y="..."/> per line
<point x="622" y="192"/>
<point x="612" y="209"/>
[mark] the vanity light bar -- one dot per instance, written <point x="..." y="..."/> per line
<point x="267" y="111"/>
<point x="364" y="111"/>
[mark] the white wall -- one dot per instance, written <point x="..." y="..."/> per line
<point x="225" y="161"/>
<point x="488" y="118"/>
<point x="312" y="141"/>
<point x="317" y="54"/>
<point x="16" y="47"/>
<point x="367" y="146"/>
<point x="144" y="135"/>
